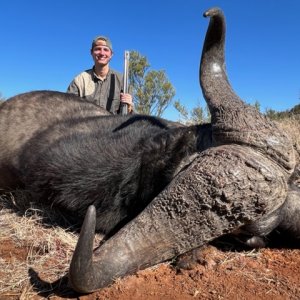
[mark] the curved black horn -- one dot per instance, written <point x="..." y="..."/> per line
<point x="201" y="203"/>
<point x="80" y="265"/>
<point x="233" y="121"/>
<point x="184" y="216"/>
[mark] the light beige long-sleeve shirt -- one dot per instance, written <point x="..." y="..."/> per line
<point x="105" y="93"/>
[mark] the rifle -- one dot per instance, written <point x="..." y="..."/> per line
<point x="124" y="106"/>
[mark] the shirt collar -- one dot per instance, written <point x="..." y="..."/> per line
<point x="95" y="76"/>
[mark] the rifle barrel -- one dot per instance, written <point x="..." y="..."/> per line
<point x="124" y="107"/>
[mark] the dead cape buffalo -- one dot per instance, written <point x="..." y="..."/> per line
<point x="155" y="189"/>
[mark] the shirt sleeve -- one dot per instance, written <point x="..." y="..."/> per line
<point x="73" y="88"/>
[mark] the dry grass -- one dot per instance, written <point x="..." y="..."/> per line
<point x="38" y="253"/>
<point x="292" y="127"/>
<point x="29" y="246"/>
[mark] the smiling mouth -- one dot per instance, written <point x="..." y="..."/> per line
<point x="101" y="59"/>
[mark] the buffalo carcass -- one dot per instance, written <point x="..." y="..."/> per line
<point x="156" y="189"/>
<point x="72" y="158"/>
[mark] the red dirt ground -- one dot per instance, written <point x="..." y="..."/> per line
<point x="270" y="273"/>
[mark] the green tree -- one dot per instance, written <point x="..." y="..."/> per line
<point x="296" y="109"/>
<point x="184" y="114"/>
<point x="257" y="105"/>
<point x="272" y="114"/>
<point x="151" y="89"/>
<point x="197" y="115"/>
<point x="2" y="99"/>
<point x="278" y="115"/>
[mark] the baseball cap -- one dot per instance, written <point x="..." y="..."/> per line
<point x="103" y="38"/>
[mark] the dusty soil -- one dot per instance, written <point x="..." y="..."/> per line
<point x="270" y="273"/>
<point x="34" y="259"/>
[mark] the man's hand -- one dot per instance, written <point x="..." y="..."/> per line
<point x="127" y="98"/>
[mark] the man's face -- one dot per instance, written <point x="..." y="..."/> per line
<point x="101" y="53"/>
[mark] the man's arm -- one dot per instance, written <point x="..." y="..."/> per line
<point x="73" y="88"/>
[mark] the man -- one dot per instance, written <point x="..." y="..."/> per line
<point x="101" y="84"/>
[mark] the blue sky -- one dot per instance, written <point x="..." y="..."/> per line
<point x="44" y="44"/>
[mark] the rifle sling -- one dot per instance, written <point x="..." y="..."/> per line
<point x="111" y="92"/>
